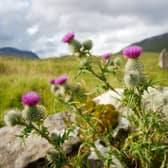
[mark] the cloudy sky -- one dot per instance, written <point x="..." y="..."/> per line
<point x="39" y="25"/>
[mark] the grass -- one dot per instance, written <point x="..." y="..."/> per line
<point x="18" y="76"/>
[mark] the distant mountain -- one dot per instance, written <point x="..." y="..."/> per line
<point x="154" y="44"/>
<point x="13" y="52"/>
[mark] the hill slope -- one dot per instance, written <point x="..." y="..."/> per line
<point x="154" y="44"/>
<point x="13" y="52"/>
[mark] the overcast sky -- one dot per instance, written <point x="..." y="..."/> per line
<point x="39" y="25"/>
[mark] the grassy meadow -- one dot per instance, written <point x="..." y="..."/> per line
<point x="18" y="76"/>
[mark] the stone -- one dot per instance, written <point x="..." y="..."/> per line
<point x="13" y="154"/>
<point x="155" y="99"/>
<point x="111" y="97"/>
<point x="163" y="59"/>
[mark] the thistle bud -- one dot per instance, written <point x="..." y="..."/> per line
<point x="34" y="113"/>
<point x="13" y="117"/>
<point x="75" y="45"/>
<point x="88" y="44"/>
<point x="132" y="79"/>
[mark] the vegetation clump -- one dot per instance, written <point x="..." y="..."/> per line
<point x="102" y="137"/>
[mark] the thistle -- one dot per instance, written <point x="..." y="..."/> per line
<point x="32" y="111"/>
<point x="74" y="44"/>
<point x="132" y="78"/>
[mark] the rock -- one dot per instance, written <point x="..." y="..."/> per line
<point x="155" y="99"/>
<point x="111" y="97"/>
<point x="123" y="126"/>
<point x="13" y="154"/>
<point x="163" y="59"/>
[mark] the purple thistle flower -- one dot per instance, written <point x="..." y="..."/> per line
<point x="61" y="80"/>
<point x="68" y="37"/>
<point x="106" y="56"/>
<point x="132" y="52"/>
<point x="30" y="98"/>
<point x="52" y="81"/>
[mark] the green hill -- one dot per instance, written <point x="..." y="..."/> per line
<point x="154" y="44"/>
<point x="18" y="76"/>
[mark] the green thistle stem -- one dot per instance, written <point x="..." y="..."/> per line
<point x="103" y="79"/>
<point x="78" y="112"/>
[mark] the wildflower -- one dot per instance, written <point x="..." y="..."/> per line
<point x="106" y="56"/>
<point x="52" y="81"/>
<point x="34" y="113"/>
<point x="30" y="98"/>
<point x="61" y="80"/>
<point x="132" y="52"/>
<point x="68" y="37"/>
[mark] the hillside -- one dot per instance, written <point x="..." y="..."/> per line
<point x="13" y="52"/>
<point x="154" y="44"/>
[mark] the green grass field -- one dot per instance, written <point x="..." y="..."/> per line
<point x="18" y="76"/>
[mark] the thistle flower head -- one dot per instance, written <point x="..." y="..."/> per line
<point x="132" y="52"/>
<point x="61" y="80"/>
<point x="12" y="117"/>
<point x="106" y="56"/>
<point x="68" y="37"/>
<point x="30" y="98"/>
<point x="52" y="81"/>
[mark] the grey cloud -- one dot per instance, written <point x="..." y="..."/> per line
<point x="111" y="24"/>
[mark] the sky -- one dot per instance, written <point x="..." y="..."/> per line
<point x="39" y="25"/>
